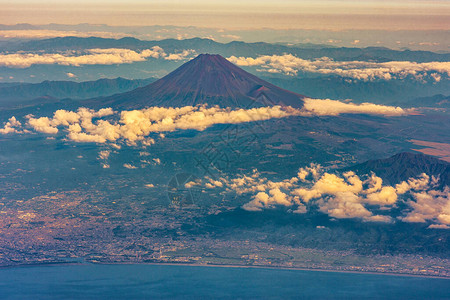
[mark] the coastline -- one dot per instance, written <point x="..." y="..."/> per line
<point x="225" y="266"/>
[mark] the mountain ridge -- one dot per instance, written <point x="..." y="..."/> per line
<point x="405" y="165"/>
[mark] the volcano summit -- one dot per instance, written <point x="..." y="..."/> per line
<point x="207" y="79"/>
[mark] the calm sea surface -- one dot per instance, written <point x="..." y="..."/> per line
<point x="192" y="282"/>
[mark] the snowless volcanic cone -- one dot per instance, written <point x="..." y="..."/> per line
<point x="207" y="79"/>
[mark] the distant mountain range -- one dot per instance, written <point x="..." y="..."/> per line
<point x="314" y="85"/>
<point x="207" y="79"/>
<point x="236" y="48"/>
<point x="19" y="94"/>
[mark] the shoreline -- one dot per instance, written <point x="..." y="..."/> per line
<point x="225" y="266"/>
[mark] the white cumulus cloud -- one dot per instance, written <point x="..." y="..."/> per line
<point x="108" y="56"/>
<point x="108" y="126"/>
<point x="180" y="56"/>
<point x="361" y="70"/>
<point x="328" y="107"/>
<point x="342" y="196"/>
<point x="11" y="126"/>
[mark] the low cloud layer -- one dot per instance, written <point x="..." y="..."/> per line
<point x="328" y="107"/>
<point x="342" y="196"/>
<point x="360" y="70"/>
<point x="108" y="126"/>
<point x="108" y="56"/>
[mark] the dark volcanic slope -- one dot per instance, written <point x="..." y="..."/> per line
<point x="405" y="165"/>
<point x="207" y="79"/>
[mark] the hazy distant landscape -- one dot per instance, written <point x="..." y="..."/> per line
<point x="310" y="146"/>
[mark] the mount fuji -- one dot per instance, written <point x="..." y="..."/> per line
<point x="207" y="79"/>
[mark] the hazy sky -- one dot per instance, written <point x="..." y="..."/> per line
<point x="331" y="14"/>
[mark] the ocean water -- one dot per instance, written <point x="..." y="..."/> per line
<point x="195" y="282"/>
